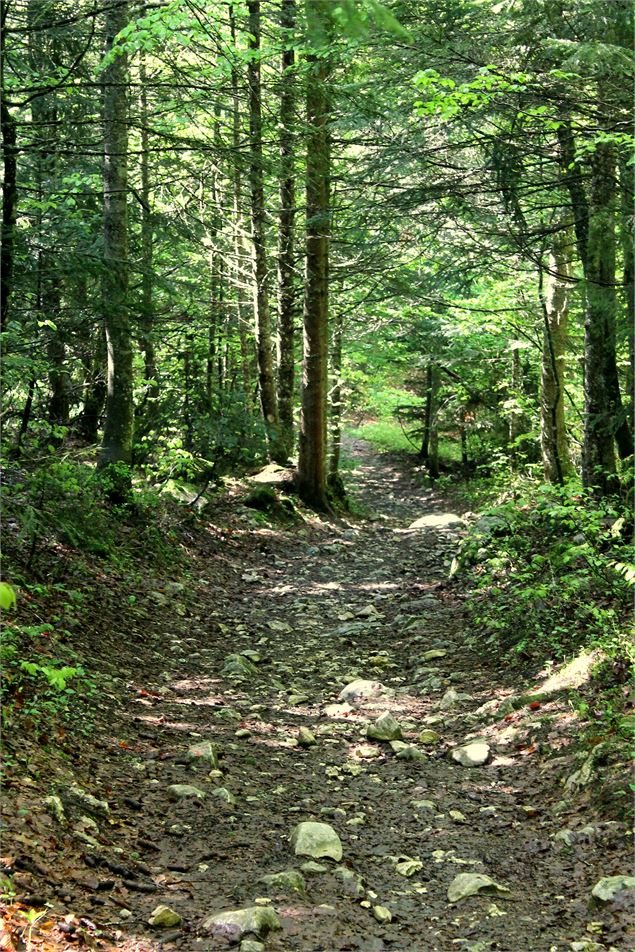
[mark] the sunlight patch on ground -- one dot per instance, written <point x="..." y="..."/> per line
<point x="437" y="520"/>
<point x="573" y="674"/>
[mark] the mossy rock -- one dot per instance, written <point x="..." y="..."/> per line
<point x="263" y="498"/>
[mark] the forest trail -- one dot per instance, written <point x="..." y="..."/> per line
<point x="322" y="606"/>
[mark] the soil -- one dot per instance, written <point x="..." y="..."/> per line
<point x="322" y="603"/>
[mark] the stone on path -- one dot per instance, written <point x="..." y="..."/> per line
<point x="360" y="689"/>
<point x="222" y="793"/>
<point x="184" y="791"/>
<point x="238" y="666"/>
<point x="337" y="710"/>
<point x="451" y="698"/>
<point x="433" y="653"/>
<point x="382" y="914"/>
<point x="251" y="945"/>
<point x="204" y="752"/>
<point x="289" y="880"/>
<point x="410" y="753"/>
<point x="306" y="738"/>
<point x="164" y="918"/>
<point x="469" y="884"/>
<point x="316" y="840"/>
<point x="429" y="737"/>
<point x="612" y="888"/>
<point x="386" y="727"/>
<point x="351" y="882"/>
<point x="471" y="755"/>
<point x="76" y="802"/>
<point x="236" y="923"/>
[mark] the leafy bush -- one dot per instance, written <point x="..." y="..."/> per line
<point x="552" y="574"/>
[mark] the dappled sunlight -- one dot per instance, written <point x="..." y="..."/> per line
<point x="438" y="520"/>
<point x="573" y="674"/>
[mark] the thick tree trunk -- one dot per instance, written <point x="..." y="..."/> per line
<point x="94" y="387"/>
<point x="118" y="430"/>
<point x="312" y="456"/>
<point x="598" y="457"/>
<point x="286" y="265"/>
<point x="555" y="305"/>
<point x="336" y="394"/>
<point x="262" y="314"/>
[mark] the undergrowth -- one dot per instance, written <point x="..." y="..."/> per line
<point x="552" y="573"/>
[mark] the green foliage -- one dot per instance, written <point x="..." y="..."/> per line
<point x="7" y="597"/>
<point x="546" y="568"/>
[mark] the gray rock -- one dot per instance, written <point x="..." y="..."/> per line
<point x="452" y="698"/>
<point x="76" y="801"/>
<point x="429" y="737"/>
<point x="471" y="755"/>
<point x="313" y="869"/>
<point x="222" y="793"/>
<point x="386" y="727"/>
<point x="234" y="924"/>
<point x="613" y="888"/>
<point x="184" y="791"/>
<point x="424" y="806"/>
<point x="433" y="654"/>
<point x="55" y="808"/>
<point x="306" y="738"/>
<point x="251" y="945"/>
<point x="351" y="882"/>
<point x="164" y="918"/>
<point x="469" y="884"/>
<point x="204" y="752"/>
<point x="410" y="753"/>
<point x="237" y="666"/>
<point x="316" y="840"/>
<point x="360" y="689"/>
<point x="289" y="880"/>
<point x="382" y="914"/>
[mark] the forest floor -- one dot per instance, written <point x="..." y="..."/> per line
<point x="320" y="604"/>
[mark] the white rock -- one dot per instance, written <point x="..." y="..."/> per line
<point x="469" y="884"/>
<point x="164" y="918"/>
<point x="360" y="689"/>
<point x="386" y="727"/>
<point x="236" y="923"/>
<point x="471" y="755"/>
<point x="316" y="840"/>
<point x="611" y="888"/>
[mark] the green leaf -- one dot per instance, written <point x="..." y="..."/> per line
<point x="8" y="598"/>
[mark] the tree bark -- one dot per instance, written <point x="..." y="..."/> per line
<point x="598" y="457"/>
<point x="150" y="372"/>
<point x="286" y="265"/>
<point x="9" y="185"/>
<point x="118" y="429"/>
<point x="311" y="482"/>
<point x="336" y="394"/>
<point x="262" y="314"/>
<point x="555" y="306"/>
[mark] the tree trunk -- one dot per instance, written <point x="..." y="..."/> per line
<point x="312" y="456"/>
<point x="626" y="236"/>
<point x="336" y="395"/>
<point x="286" y="267"/>
<point x="240" y="251"/>
<point x="598" y="457"/>
<point x="118" y="430"/>
<point x="147" y="263"/>
<point x="555" y="306"/>
<point x="9" y="184"/>
<point x="262" y="314"/>
<point x="515" y="419"/>
<point x="424" y="452"/>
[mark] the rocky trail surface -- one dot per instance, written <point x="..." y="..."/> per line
<point x="308" y="757"/>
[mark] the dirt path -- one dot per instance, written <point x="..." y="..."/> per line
<point x="321" y="607"/>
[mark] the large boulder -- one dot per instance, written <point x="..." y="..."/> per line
<point x="233" y="924"/>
